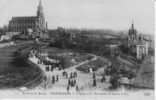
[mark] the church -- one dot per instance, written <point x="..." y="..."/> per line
<point x="137" y="44"/>
<point x="36" y="23"/>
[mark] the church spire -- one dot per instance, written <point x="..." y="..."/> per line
<point x="132" y="24"/>
<point x="40" y="3"/>
<point x="40" y="9"/>
<point x="41" y="18"/>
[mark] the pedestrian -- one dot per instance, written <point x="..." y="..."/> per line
<point x="103" y="79"/>
<point x="75" y="74"/>
<point x="47" y="68"/>
<point x="74" y="82"/>
<point x="45" y="85"/>
<point x="52" y="68"/>
<point x="69" y="82"/>
<point x="68" y="88"/>
<point x="94" y="82"/>
<point x="57" y="78"/>
<point x="94" y="76"/>
<point x="53" y="79"/>
<point x="71" y="75"/>
<point x="66" y="75"/>
<point x="63" y="73"/>
<point x="45" y="78"/>
<point x="77" y="88"/>
<point x="38" y="62"/>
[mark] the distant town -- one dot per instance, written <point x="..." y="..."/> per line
<point x="32" y="56"/>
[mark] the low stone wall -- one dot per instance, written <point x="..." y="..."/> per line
<point x="5" y="44"/>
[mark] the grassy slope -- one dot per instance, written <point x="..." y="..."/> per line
<point x="15" y="72"/>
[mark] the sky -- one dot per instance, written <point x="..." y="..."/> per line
<point x="96" y="14"/>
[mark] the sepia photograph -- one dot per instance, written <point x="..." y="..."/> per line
<point x="77" y="49"/>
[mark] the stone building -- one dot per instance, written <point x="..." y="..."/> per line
<point x="114" y="50"/>
<point x="35" y="23"/>
<point x="137" y="44"/>
<point x="141" y="50"/>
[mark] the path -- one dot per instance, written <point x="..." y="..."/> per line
<point x="73" y="68"/>
<point x="62" y="83"/>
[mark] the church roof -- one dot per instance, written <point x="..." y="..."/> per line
<point x="24" y="18"/>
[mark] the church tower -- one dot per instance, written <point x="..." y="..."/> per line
<point x="40" y="10"/>
<point x="41" y="18"/>
<point x="132" y="33"/>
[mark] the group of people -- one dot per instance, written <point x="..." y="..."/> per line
<point x="49" y="67"/>
<point x="71" y="75"/>
<point x="72" y="80"/>
<point x="50" y="64"/>
<point x="54" y="79"/>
